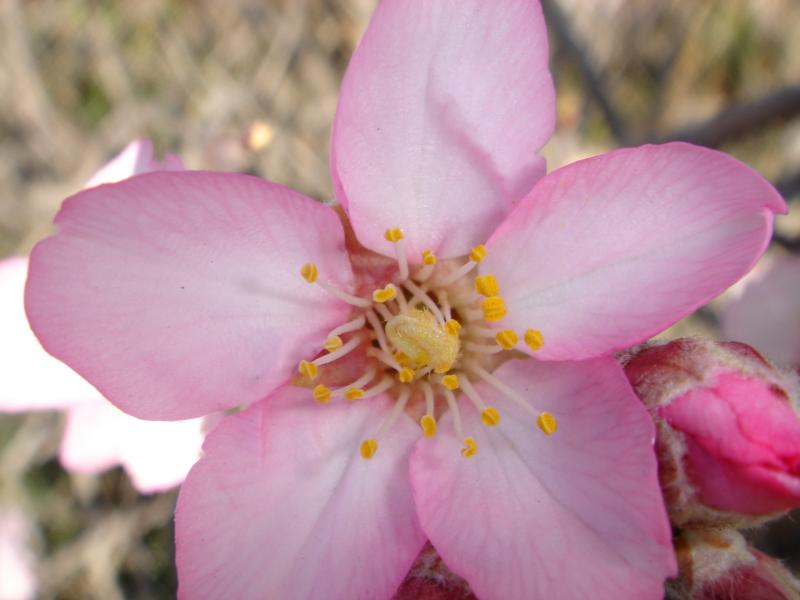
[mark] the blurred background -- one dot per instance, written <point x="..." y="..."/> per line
<point x="251" y="85"/>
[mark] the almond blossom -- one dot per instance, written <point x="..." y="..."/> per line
<point x="97" y="436"/>
<point x="400" y="370"/>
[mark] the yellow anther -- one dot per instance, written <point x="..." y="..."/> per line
<point x="490" y="416"/>
<point x="450" y="381"/>
<point x="384" y="295"/>
<point x="452" y="326"/>
<point x="333" y="343"/>
<point x="486" y="285"/>
<point x="309" y="272"/>
<point x="506" y="338"/>
<point x="470" y="447"/>
<point x="393" y="234"/>
<point x="354" y="393"/>
<point x="478" y="253"/>
<point x="547" y="423"/>
<point x="406" y="374"/>
<point x="494" y="308"/>
<point x="402" y="359"/>
<point x="369" y="448"/>
<point x="307" y="369"/>
<point x="428" y="258"/>
<point x="534" y="339"/>
<point x="322" y="393"/>
<point x="428" y="424"/>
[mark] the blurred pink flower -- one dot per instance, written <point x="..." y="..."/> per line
<point x="17" y="562"/>
<point x="178" y="294"/>
<point x="98" y="436"/>
<point x="728" y="430"/>
<point x="767" y="314"/>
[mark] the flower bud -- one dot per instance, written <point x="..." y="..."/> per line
<point x="728" y="431"/>
<point x="719" y="565"/>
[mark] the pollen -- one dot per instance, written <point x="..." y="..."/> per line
<point x="393" y="234"/>
<point x="354" y="394"/>
<point x="452" y="326"/>
<point x="406" y="375"/>
<point x="385" y="294"/>
<point x="402" y="359"/>
<point x="307" y="369"/>
<point x="428" y="424"/>
<point x="428" y="258"/>
<point x="506" y="338"/>
<point x="369" y="448"/>
<point x="333" y="343"/>
<point x="490" y="416"/>
<point x="534" y="339"/>
<point x="478" y="253"/>
<point x="322" y="394"/>
<point x="417" y="334"/>
<point x="470" y="448"/>
<point x="450" y="381"/>
<point x="547" y="423"/>
<point x="486" y="285"/>
<point x="494" y="308"/>
<point x="309" y="272"/>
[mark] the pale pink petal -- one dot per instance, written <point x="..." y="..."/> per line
<point x="17" y="561"/>
<point x="282" y="505"/>
<point x="576" y="515"/>
<point x="136" y="158"/>
<point x="30" y="379"/>
<point x="767" y="315"/>
<point x="611" y="250"/>
<point x="441" y="112"/>
<point x="179" y="294"/>
<point x="157" y="455"/>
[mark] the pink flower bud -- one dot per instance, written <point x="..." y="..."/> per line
<point x="719" y="565"/>
<point x="728" y="430"/>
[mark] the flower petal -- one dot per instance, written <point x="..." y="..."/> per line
<point x="179" y="294"/>
<point x="157" y="455"/>
<point x="611" y="250"/>
<point x="30" y="379"/>
<point x="136" y="158"/>
<point x="442" y="110"/>
<point x="577" y="514"/>
<point x="282" y="506"/>
<point x="767" y="315"/>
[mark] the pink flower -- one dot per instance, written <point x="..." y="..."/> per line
<point x="728" y="430"/>
<point x="98" y="436"/>
<point x="767" y="314"/>
<point x="178" y="294"/>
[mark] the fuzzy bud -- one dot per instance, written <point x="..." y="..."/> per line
<point x="719" y="565"/>
<point x="728" y="431"/>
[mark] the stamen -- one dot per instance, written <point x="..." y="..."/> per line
<point x="427" y="391"/>
<point x="457" y="274"/>
<point x="444" y="302"/>
<point x="420" y="294"/>
<point x="354" y="394"/>
<point x="506" y="338"/>
<point x="383" y="311"/>
<point x="322" y="393"/>
<point x="428" y="265"/>
<point x="478" y="253"/>
<point x="489" y="414"/>
<point x="450" y="381"/>
<point x="378" y="329"/>
<point x="370" y="446"/>
<point x="428" y="424"/>
<point x="402" y="303"/>
<point x="354" y="391"/>
<point x="379" y="388"/>
<point x="353" y="325"/>
<point x="344" y="296"/>
<point x="395" y="235"/>
<point x="501" y="386"/>
<point x="333" y="343"/>
<point x="482" y="348"/>
<point x="307" y="369"/>
<point x="385" y="358"/>
<point x="547" y="423"/>
<point x="470" y="446"/>
<point x="309" y="272"/>
<point x="351" y="345"/>
<point x="494" y="308"/>
<point x="486" y="285"/>
<point x="389" y="292"/>
<point x="452" y="326"/>
<point x="534" y="339"/>
<point x="406" y="375"/>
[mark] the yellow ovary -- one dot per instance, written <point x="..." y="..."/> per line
<point x="418" y="335"/>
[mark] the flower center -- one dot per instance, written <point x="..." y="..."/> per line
<point x="425" y="334"/>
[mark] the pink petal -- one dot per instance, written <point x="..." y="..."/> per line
<point x="282" y="505"/>
<point x="179" y="294"/>
<point x="156" y="454"/>
<point x="577" y="514"/>
<point x="442" y="110"/>
<point x="30" y="379"/>
<point x="136" y="158"/>
<point x="611" y="250"/>
<point x="767" y="315"/>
